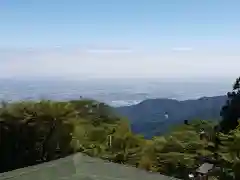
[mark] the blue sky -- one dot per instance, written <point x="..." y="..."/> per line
<point x="144" y="38"/>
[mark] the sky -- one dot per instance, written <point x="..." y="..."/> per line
<point x="119" y="39"/>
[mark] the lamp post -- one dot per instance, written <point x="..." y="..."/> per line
<point x="110" y="137"/>
<point x="110" y="140"/>
<point x="190" y="176"/>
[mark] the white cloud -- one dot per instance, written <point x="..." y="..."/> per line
<point x="182" y="49"/>
<point x="109" y="51"/>
<point x="80" y="63"/>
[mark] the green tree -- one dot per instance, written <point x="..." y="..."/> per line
<point x="231" y="111"/>
<point x="33" y="132"/>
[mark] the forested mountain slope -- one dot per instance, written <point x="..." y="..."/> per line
<point x="149" y="116"/>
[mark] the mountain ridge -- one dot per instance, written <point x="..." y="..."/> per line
<point x="149" y="115"/>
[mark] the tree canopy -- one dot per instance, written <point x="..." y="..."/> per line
<point x="231" y="111"/>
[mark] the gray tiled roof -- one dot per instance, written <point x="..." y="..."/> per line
<point x="205" y="168"/>
<point x="81" y="167"/>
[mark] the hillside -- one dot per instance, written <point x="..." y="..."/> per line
<point x="35" y="132"/>
<point x="148" y="117"/>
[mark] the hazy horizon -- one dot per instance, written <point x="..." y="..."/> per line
<point x="117" y="93"/>
<point x="73" y="64"/>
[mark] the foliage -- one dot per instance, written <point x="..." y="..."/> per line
<point x="231" y="111"/>
<point x="37" y="131"/>
<point x="32" y="131"/>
